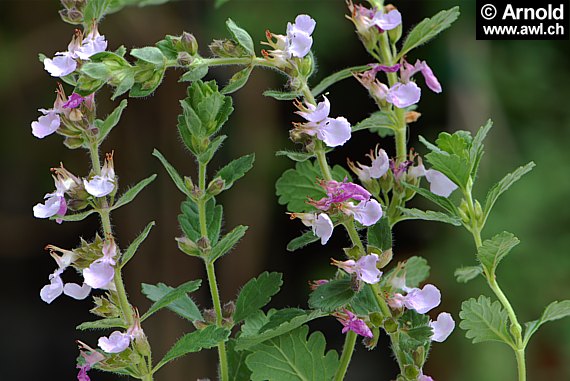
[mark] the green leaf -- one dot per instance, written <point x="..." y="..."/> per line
<point x="476" y="151"/>
<point x="498" y="189"/>
<point x="111" y="121"/>
<point x="281" y="95"/>
<point x="95" y="10"/>
<point x="428" y="29"/>
<point x="235" y="170"/>
<point x="275" y="324"/>
<point x="194" y="342"/>
<point x="336" y="77"/>
<point x="416" y="270"/>
<point x="459" y="143"/>
<point x="415" y="330"/>
<point x="184" y="306"/>
<point x="150" y="54"/>
<point x="125" y="85"/>
<point x="256" y="293"/>
<point x="495" y="249"/>
<point x="214" y="145"/>
<point x="227" y="242"/>
<point x="146" y="88"/>
<point x="365" y="303"/>
<point x="295" y="155"/>
<point x="96" y="70"/>
<point x="130" y="195"/>
<point x="465" y="274"/>
<point x="291" y="357"/>
<point x="380" y="235"/>
<point x="332" y="295"/>
<point x="190" y="222"/>
<point x="302" y="241"/>
<point x="429" y="215"/>
<point x="296" y="186"/>
<point x="194" y="73"/>
<point x="443" y="202"/>
<point x="102" y="324"/>
<point x="241" y="37"/>
<point x="178" y="181"/>
<point x="133" y="247"/>
<point x="237" y="81"/>
<point x="456" y="168"/>
<point x="238" y="370"/>
<point x="171" y="296"/>
<point x="485" y="321"/>
<point x="381" y="122"/>
<point x="74" y="217"/>
<point x="554" y="311"/>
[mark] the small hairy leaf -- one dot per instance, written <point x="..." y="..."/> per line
<point x="130" y="195"/>
<point x="227" y="242"/>
<point x="176" y="178"/>
<point x="133" y="247"/>
<point x="256" y="293"/>
<point x="380" y="235"/>
<point x="238" y="370"/>
<point x="332" y="295"/>
<point x="336" y="77"/>
<point x="75" y="216"/>
<point x="95" y="10"/>
<point x="456" y="168"/>
<point x="194" y="342"/>
<point x="235" y="170"/>
<point x="171" y="296"/>
<point x="554" y="311"/>
<point x="150" y="54"/>
<point x="381" y="122"/>
<point x="302" y="241"/>
<point x="465" y="274"/>
<point x="429" y="215"/>
<point x="237" y="81"/>
<point x="415" y="329"/>
<point x="293" y="357"/>
<point x="495" y="249"/>
<point x="295" y="155"/>
<point x="190" y="222"/>
<point x="184" y="306"/>
<point x="476" y="151"/>
<point x="102" y="324"/>
<point x="195" y="73"/>
<point x="416" y="270"/>
<point x="281" y="95"/>
<point x="485" y="321"/>
<point x="241" y="37"/>
<point x="428" y="29"/>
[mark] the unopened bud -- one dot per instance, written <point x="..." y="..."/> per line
<point x="184" y="59"/>
<point x="395" y="34"/>
<point x="187" y="246"/>
<point x="200" y="324"/>
<point x="204" y="244"/>
<point x="188" y="182"/>
<point x="142" y="345"/>
<point x="229" y="309"/>
<point x="188" y="43"/>
<point x="390" y="325"/>
<point x="216" y="186"/>
<point x="419" y="356"/>
<point x="411" y="372"/>
<point x="226" y="48"/>
<point x="478" y="211"/>
<point x="412" y="116"/>
<point x="209" y="316"/>
<point x="75" y="115"/>
<point x="306" y="67"/>
<point x="376" y="319"/>
<point x="384" y="257"/>
<point x="71" y="16"/>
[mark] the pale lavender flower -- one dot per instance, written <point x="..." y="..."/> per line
<point x="115" y="343"/>
<point x="440" y="184"/>
<point x="387" y="21"/>
<point x="403" y="95"/>
<point x="299" y="41"/>
<point x="101" y="272"/>
<point x="366" y="212"/>
<point x="61" y="65"/>
<point x="408" y="70"/>
<point x="442" y="327"/>
<point x="55" y="203"/>
<point x="46" y="124"/>
<point x="365" y="268"/>
<point x="103" y="184"/>
<point x="92" y="44"/>
<point x="351" y="322"/>
<point x="320" y="223"/>
<point x="378" y="168"/>
<point x="422" y="300"/>
<point x="56" y="287"/>
<point x="333" y="131"/>
<point x="423" y="377"/>
<point x="342" y="191"/>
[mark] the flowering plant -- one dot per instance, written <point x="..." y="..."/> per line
<point x="369" y="294"/>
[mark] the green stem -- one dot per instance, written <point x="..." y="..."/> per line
<point x="214" y="292"/>
<point x="347" y="349"/>
<point x="222" y="61"/>
<point x="353" y="234"/>
<point x="224" y="373"/>
<point x="521" y="364"/>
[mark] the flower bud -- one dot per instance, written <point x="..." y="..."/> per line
<point x="419" y="356"/>
<point x="306" y="67"/>
<point x="412" y="116"/>
<point x="188" y="246"/>
<point x="384" y="257"/>
<point x="204" y="244"/>
<point x="229" y="309"/>
<point x="376" y="319"/>
<point x="184" y="59"/>
<point x="226" y="48"/>
<point x="390" y="325"/>
<point x="395" y="34"/>
<point x="142" y="345"/>
<point x="411" y="372"/>
<point x="200" y="324"/>
<point x="464" y="211"/>
<point x="371" y="342"/>
<point x="188" y="43"/>
<point x="188" y="183"/>
<point x="75" y="115"/>
<point x="209" y="316"/>
<point x="216" y="186"/>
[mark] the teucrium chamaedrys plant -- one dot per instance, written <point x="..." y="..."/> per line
<point x="367" y="294"/>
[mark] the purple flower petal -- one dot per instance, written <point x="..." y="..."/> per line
<point x="442" y="327"/>
<point x="366" y="212"/>
<point x="46" y="124"/>
<point x="404" y="95"/>
<point x="61" y="65"/>
<point x="99" y="274"/>
<point x="50" y="292"/>
<point x="74" y="101"/>
<point x="115" y="343"/>
<point x="423" y="300"/>
<point x="323" y="227"/>
<point x="76" y="291"/>
<point x="305" y="23"/>
<point x="440" y="184"/>
<point x="388" y="21"/>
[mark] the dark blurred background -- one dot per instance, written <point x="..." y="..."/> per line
<point x="522" y="85"/>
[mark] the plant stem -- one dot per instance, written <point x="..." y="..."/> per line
<point x="347" y="349"/>
<point x="255" y="61"/>
<point x="516" y="329"/>
<point x="222" y="354"/>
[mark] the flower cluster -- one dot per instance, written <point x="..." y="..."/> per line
<point x="65" y="63"/>
<point x="295" y="44"/>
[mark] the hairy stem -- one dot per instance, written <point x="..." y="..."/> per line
<point x="222" y="354"/>
<point x="347" y="349"/>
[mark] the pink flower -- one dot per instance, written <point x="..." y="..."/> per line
<point x="408" y="70"/>
<point x="334" y="132"/>
<point x="338" y="192"/>
<point x="320" y="223"/>
<point x="101" y="272"/>
<point x="366" y="212"/>
<point x="378" y="168"/>
<point x="351" y="322"/>
<point x="56" y="287"/>
<point x="425" y="378"/>
<point x="442" y="327"/>
<point x="92" y="44"/>
<point x="364" y="268"/>
<point x="103" y="184"/>
<point x="421" y="300"/>
<point x="74" y="101"/>
<point x="387" y="21"/>
<point x="440" y="184"/>
<point x="403" y="95"/>
<point x="55" y="203"/>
